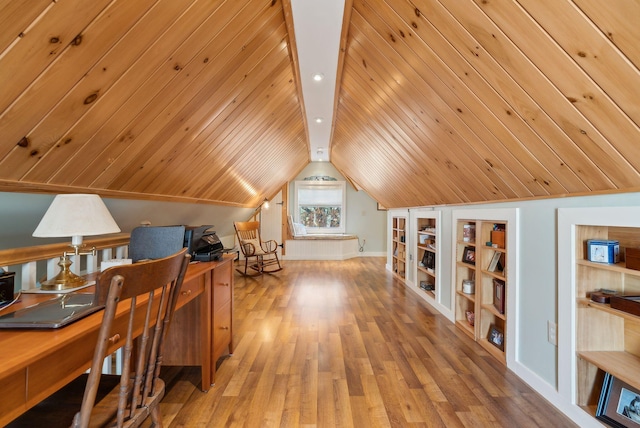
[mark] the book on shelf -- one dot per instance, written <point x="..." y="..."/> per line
<point x="494" y="264"/>
<point x="499" y="295"/>
<point x="429" y="261"/>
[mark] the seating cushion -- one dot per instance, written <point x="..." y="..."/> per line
<point x="299" y="229"/>
<point x="256" y="247"/>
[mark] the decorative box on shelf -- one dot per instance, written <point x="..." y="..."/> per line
<point x="427" y="286"/>
<point x="632" y="258"/>
<point x="497" y="238"/>
<point x="469" y="232"/>
<point x="603" y="251"/>
<point x="602" y="295"/>
<point x="629" y="304"/>
<point x="468" y="286"/>
<point x="471" y="317"/>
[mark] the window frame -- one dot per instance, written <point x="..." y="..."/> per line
<point x="306" y="184"/>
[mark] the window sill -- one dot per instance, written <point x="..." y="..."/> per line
<point x="325" y="236"/>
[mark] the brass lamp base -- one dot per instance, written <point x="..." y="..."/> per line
<point x="65" y="279"/>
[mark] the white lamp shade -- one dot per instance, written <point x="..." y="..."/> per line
<point x="76" y="215"/>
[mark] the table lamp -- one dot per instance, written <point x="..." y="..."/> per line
<point x="74" y="215"/>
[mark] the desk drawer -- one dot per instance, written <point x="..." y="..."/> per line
<point x="222" y="285"/>
<point x="190" y="289"/>
<point x="221" y="330"/>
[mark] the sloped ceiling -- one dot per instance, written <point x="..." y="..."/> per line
<point x="183" y="99"/>
<point x="439" y="102"/>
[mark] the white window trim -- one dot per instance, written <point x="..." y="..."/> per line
<point x="343" y="216"/>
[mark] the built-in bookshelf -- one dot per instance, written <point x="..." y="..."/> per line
<point x="481" y="281"/>
<point x="492" y="305"/>
<point x="465" y="277"/>
<point x="399" y="246"/>
<point x="426" y="244"/>
<point x="607" y="339"/>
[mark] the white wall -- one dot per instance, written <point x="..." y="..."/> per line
<point x="363" y="218"/>
<point x="20" y="213"/>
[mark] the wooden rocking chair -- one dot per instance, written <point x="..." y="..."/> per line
<point x="261" y="257"/>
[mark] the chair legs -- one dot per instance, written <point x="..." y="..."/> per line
<point x="156" y="417"/>
<point x="261" y="264"/>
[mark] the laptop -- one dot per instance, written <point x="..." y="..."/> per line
<point x="52" y="313"/>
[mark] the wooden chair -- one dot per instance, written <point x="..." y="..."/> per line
<point x="259" y="256"/>
<point x="138" y="391"/>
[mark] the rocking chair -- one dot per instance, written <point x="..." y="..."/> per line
<point x="261" y="257"/>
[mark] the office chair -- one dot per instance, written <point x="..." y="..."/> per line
<point x="149" y="290"/>
<point x="260" y="256"/>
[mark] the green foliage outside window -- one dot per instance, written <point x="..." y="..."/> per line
<point x="328" y="217"/>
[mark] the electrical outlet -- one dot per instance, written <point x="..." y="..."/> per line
<point x="552" y="332"/>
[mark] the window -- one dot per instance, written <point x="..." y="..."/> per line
<point x="320" y="206"/>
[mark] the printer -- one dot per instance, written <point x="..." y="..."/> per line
<point x="203" y="244"/>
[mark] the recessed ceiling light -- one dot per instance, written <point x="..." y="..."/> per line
<point x="318" y="76"/>
<point x="318" y="120"/>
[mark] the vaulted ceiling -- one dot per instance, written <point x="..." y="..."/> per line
<point x="438" y="101"/>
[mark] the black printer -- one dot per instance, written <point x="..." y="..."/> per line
<point x="203" y="244"/>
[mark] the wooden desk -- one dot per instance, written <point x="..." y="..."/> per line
<point x="201" y="331"/>
<point x="36" y="363"/>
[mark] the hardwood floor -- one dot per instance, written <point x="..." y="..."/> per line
<point x="343" y="344"/>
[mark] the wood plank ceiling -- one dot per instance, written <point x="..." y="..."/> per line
<point x="439" y="101"/>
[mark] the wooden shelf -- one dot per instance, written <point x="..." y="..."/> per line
<point x="490" y="308"/>
<point x="605" y="307"/>
<point x="618" y="267"/>
<point x="500" y="250"/>
<point x="465" y="327"/>
<point x="469" y="265"/>
<point x="430" y="293"/>
<point x="491" y="349"/>
<point x="471" y="297"/>
<point x="426" y="271"/>
<point x="623" y="365"/>
<point x="497" y="275"/>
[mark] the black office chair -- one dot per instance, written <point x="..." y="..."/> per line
<point x="155" y="242"/>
